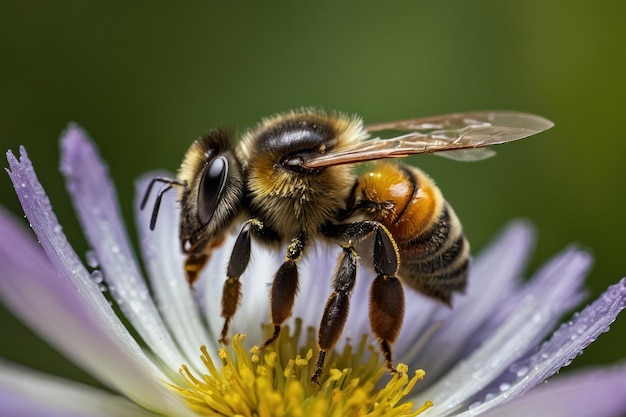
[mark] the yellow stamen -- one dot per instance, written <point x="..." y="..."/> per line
<point x="276" y="382"/>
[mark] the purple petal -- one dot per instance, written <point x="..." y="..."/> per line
<point x="596" y="393"/>
<point x="25" y="393"/>
<point x="96" y="205"/>
<point x="565" y="344"/>
<point x="513" y="339"/>
<point x="58" y="299"/>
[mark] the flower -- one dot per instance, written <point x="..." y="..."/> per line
<point x="484" y="356"/>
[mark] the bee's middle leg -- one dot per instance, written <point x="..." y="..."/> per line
<point x="337" y="307"/>
<point x="285" y="286"/>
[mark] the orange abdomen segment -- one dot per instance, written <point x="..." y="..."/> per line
<point x="407" y="201"/>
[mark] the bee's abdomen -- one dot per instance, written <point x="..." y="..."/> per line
<point x="434" y="254"/>
<point x="436" y="262"/>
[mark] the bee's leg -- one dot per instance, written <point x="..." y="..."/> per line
<point x="194" y="263"/>
<point x="197" y="257"/>
<point x="386" y="295"/>
<point x="239" y="258"/>
<point x="285" y="286"/>
<point x="337" y="307"/>
<point x="386" y="313"/>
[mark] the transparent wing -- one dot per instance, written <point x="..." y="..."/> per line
<point x="468" y="155"/>
<point x="461" y="134"/>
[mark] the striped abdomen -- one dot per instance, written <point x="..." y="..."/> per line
<point x="434" y="253"/>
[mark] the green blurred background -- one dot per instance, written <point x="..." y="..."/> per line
<point x="145" y="79"/>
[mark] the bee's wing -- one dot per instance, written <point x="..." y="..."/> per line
<point x="461" y="134"/>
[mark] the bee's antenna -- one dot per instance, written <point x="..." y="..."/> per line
<point x="169" y="183"/>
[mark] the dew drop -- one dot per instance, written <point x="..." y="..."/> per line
<point x="97" y="276"/>
<point x="505" y="386"/>
<point x="115" y="249"/>
<point x="475" y="405"/>
<point x="522" y="371"/>
<point x="58" y="228"/>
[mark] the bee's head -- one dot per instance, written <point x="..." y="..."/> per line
<point x="214" y="192"/>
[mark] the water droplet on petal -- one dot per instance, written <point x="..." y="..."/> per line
<point x="505" y="386"/>
<point x="522" y="371"/>
<point x="475" y="404"/>
<point x="97" y="276"/>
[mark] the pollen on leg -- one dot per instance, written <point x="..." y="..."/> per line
<point x="276" y="381"/>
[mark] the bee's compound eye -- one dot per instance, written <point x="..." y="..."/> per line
<point x="295" y="164"/>
<point x="212" y="185"/>
<point x="295" y="161"/>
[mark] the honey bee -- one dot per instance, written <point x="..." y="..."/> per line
<point x="291" y="181"/>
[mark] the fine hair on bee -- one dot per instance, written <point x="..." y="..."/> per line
<point x="290" y="181"/>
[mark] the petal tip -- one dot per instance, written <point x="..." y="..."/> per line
<point x="523" y="227"/>
<point x="73" y="136"/>
<point x="16" y="163"/>
<point x="75" y="144"/>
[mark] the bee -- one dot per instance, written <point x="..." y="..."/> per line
<point x="291" y="181"/>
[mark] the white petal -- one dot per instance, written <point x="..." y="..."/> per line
<point x="25" y="393"/>
<point x="253" y="310"/>
<point x="164" y="263"/>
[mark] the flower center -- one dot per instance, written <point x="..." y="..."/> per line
<point x="276" y="382"/>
